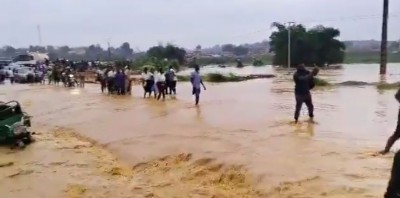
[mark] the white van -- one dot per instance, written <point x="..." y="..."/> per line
<point x="31" y="58"/>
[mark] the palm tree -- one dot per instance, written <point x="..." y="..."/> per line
<point x="382" y="70"/>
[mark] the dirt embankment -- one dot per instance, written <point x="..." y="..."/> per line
<point x="64" y="164"/>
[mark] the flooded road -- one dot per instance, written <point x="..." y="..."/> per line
<point x="246" y="124"/>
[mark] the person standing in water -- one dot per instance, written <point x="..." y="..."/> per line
<point x="197" y="82"/>
<point x="304" y="82"/>
<point x="10" y="73"/>
<point x="171" y="80"/>
<point x="147" y="81"/>
<point x="396" y="134"/>
<point x="393" y="189"/>
<point x="161" y="84"/>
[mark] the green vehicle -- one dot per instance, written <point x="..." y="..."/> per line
<point x="14" y="125"/>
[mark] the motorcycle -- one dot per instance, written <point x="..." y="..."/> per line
<point x="71" y="81"/>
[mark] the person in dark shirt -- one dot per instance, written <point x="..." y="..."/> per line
<point x="393" y="189"/>
<point x="304" y="82"/>
<point x="396" y="134"/>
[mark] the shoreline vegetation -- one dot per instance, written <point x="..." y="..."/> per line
<point x="219" y="78"/>
<point x="319" y="82"/>
<point x="259" y="61"/>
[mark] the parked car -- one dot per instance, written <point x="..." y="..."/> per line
<point x="24" y="75"/>
<point x="4" y="62"/>
<point x="11" y="66"/>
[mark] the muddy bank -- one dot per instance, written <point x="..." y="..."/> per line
<point x="64" y="163"/>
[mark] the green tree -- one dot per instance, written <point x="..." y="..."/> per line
<point x="240" y="50"/>
<point x="315" y="46"/>
<point x="228" y="48"/>
<point x="169" y="52"/>
<point x="9" y="51"/>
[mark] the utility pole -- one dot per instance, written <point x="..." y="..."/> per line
<point x="109" y="50"/>
<point x="382" y="69"/>
<point x="39" y="35"/>
<point x="289" y="43"/>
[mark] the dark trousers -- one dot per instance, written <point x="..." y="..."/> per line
<point x="393" y="189"/>
<point x="172" y="87"/>
<point x="395" y="136"/>
<point x="300" y="99"/>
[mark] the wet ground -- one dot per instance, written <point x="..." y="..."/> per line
<point x="245" y="128"/>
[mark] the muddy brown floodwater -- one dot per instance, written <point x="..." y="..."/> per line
<point x="240" y="141"/>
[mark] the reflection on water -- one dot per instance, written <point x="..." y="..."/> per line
<point x="245" y="123"/>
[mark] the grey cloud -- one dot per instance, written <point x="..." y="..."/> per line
<point x="185" y="22"/>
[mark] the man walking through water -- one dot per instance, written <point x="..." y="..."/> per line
<point x="196" y="80"/>
<point x="396" y="134"/>
<point x="304" y="82"/>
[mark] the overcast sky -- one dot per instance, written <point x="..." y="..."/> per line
<point x="187" y="23"/>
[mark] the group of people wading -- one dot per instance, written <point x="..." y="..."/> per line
<point x="163" y="83"/>
<point x="159" y="82"/>
<point x="115" y="81"/>
<point x="304" y="82"/>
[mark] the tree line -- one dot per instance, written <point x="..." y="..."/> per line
<point x="98" y="53"/>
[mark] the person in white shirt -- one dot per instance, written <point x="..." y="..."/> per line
<point x="111" y="74"/>
<point x="160" y="82"/>
<point x="10" y="74"/>
<point x="110" y="80"/>
<point x="171" y="80"/>
<point x="147" y="81"/>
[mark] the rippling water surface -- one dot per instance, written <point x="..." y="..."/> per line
<point x="247" y="123"/>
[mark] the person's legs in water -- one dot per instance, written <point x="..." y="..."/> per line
<point x="310" y="106"/>
<point x="394" y="137"/>
<point x="173" y="86"/>
<point x="299" y="104"/>
<point x="154" y="89"/>
<point x="160" y="90"/>
<point x="393" y="190"/>
<point x="196" y="92"/>
<point x="167" y="87"/>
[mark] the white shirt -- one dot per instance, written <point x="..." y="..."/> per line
<point x="146" y="76"/>
<point x="111" y="74"/>
<point x="100" y="72"/>
<point x="10" y="73"/>
<point x="159" y="77"/>
<point x="175" y="78"/>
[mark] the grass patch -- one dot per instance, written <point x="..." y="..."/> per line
<point x="386" y="86"/>
<point x="321" y="82"/>
<point x="183" y="78"/>
<point x="215" y="77"/>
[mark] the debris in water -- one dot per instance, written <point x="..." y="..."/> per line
<point x="6" y="164"/>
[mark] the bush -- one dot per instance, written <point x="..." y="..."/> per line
<point x="183" y="78"/>
<point x="321" y="82"/>
<point x="385" y="86"/>
<point x="215" y="77"/>
<point x="257" y="62"/>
